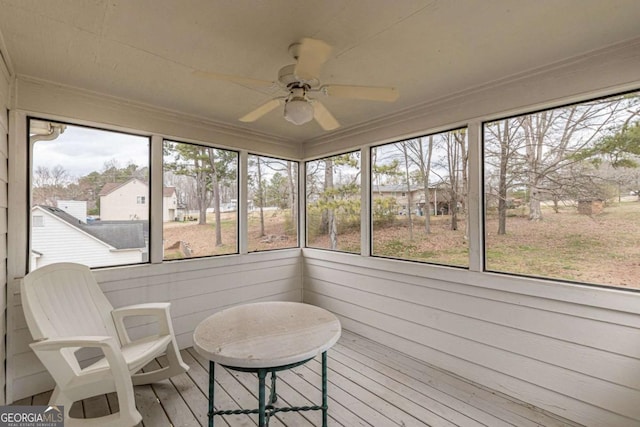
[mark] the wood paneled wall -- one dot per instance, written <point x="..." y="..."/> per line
<point x="579" y="360"/>
<point x="195" y="288"/>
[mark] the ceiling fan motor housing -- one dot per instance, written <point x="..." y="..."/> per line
<point x="288" y="79"/>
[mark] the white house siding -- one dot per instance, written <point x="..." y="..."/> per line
<point x="4" y="130"/>
<point x="77" y="208"/>
<point x="195" y="288"/>
<point x="58" y="241"/>
<point x="121" y="203"/>
<point x="169" y="208"/>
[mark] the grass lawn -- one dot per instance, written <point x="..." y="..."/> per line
<point x="601" y="249"/>
<point x="201" y="238"/>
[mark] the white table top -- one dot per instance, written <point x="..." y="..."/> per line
<point x="266" y="334"/>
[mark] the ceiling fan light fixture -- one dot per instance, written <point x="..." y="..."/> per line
<point x="298" y="111"/>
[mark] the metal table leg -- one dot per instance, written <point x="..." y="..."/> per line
<point x="274" y="395"/>
<point x="266" y="409"/>
<point x="262" y="373"/>
<point x="212" y="382"/>
<point x="325" y="405"/>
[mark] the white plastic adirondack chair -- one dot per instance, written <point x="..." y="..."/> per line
<point x="66" y="310"/>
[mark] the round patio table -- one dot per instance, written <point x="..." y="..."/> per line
<point x="262" y="338"/>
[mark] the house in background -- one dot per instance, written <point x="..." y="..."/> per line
<point x="123" y="201"/>
<point x="439" y="196"/>
<point x="59" y="236"/>
<point x="170" y="209"/>
<point x="129" y="201"/>
<point x="77" y="208"/>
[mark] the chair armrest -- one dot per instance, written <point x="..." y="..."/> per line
<point x="66" y="370"/>
<point x="53" y="344"/>
<point x="147" y="309"/>
<point x="160" y="310"/>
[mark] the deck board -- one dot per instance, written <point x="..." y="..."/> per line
<point x="368" y="385"/>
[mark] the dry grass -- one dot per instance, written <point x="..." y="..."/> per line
<point x="602" y="249"/>
<point x="201" y="238"/>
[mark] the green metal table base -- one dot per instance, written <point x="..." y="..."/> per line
<point x="266" y="411"/>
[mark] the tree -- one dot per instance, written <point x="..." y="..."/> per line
<point x="277" y="191"/>
<point x="502" y="142"/>
<point x="273" y="182"/>
<point x="422" y="158"/>
<point x="329" y="214"/>
<point x="456" y="162"/>
<point x="49" y="185"/>
<point x="620" y="149"/>
<point x="332" y="189"/>
<point x="222" y="170"/>
<point x="552" y="138"/>
<point x="192" y="161"/>
<point x="260" y="194"/>
<point x="210" y="169"/>
<point x="405" y="153"/>
<point x="292" y="180"/>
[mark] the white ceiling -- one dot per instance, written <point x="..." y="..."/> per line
<point x="146" y="50"/>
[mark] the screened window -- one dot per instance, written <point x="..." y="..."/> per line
<point x="333" y="203"/>
<point x="200" y="194"/>
<point x="419" y="199"/>
<point x="561" y="192"/>
<point x="273" y="203"/>
<point x="85" y="184"/>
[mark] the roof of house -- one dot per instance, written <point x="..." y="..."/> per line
<point x="110" y="187"/>
<point x="168" y="191"/>
<point x="118" y="234"/>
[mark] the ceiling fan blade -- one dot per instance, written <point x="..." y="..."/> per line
<point x="324" y="118"/>
<point x="262" y="110"/>
<point x="310" y="55"/>
<point x="243" y="81"/>
<point x="371" y="93"/>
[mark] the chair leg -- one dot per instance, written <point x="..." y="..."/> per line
<point x="174" y="367"/>
<point x="128" y="416"/>
<point x="60" y="399"/>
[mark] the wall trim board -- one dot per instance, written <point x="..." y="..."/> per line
<point x="465" y="280"/>
<point x="196" y="267"/>
<point x="65" y="103"/>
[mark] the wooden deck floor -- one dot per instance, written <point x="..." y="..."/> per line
<point x="369" y="385"/>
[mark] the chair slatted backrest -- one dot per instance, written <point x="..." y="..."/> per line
<point x="64" y="299"/>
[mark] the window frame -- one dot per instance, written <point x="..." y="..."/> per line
<point x="371" y="202"/>
<point x="476" y="178"/>
<point x="483" y="203"/>
<point x="238" y="191"/>
<point x="298" y="201"/>
<point x="29" y="181"/>
<point x="304" y="200"/>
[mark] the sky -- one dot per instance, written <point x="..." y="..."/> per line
<point x="81" y="150"/>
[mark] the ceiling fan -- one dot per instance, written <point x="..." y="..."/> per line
<point x="301" y="82"/>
